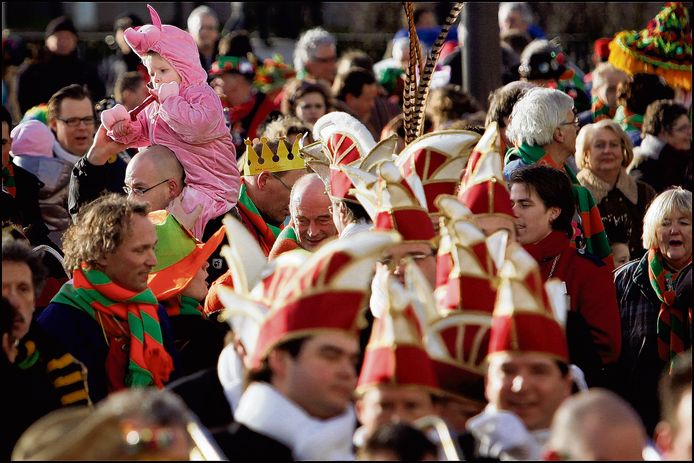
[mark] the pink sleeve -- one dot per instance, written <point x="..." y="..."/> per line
<point x="197" y="116"/>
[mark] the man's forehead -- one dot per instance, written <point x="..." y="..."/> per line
<point x="79" y="108"/>
<point x="520" y="359"/>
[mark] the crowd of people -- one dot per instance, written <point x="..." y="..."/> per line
<point x="206" y="255"/>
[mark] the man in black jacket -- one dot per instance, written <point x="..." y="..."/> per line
<point x="61" y="65"/>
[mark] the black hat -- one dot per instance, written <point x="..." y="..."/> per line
<point x="61" y="23"/>
<point x="541" y="60"/>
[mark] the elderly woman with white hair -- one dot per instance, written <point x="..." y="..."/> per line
<point x="603" y="151"/>
<point x="654" y="295"/>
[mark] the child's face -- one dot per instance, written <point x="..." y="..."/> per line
<point x="161" y="71"/>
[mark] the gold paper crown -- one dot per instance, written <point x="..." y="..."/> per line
<point x="280" y="161"/>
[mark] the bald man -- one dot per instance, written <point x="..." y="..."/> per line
<point x="596" y="424"/>
<point x="311" y="221"/>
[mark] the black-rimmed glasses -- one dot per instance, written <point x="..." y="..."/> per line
<point x="141" y="191"/>
<point x="75" y="121"/>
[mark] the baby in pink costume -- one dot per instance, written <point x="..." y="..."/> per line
<point x="186" y="118"/>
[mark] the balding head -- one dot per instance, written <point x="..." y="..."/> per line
<point x="310" y="211"/>
<point x="156" y="170"/>
<point x="597" y="424"/>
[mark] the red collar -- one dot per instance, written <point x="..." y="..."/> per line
<point x="549" y="247"/>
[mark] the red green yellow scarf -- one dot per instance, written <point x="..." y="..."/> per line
<point x="8" y="182"/>
<point x="149" y="362"/>
<point x="674" y="325"/>
<point x="590" y="234"/>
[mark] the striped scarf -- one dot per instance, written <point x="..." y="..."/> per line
<point x="627" y="120"/>
<point x="183" y="305"/>
<point x="601" y="110"/>
<point x="265" y="233"/>
<point x="674" y="325"/>
<point x="286" y="241"/>
<point x="589" y="234"/>
<point x="8" y="182"/>
<point x="149" y="362"/>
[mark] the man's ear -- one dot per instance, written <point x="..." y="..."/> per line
<point x="52" y="123"/>
<point x="558" y="135"/>
<point x="554" y="212"/>
<point x="277" y="361"/>
<point x="262" y="179"/>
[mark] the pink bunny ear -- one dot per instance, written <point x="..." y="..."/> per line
<point x="156" y="20"/>
<point x="143" y="38"/>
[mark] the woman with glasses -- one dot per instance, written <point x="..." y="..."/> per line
<point x="306" y="100"/>
<point x="664" y="157"/>
<point x="603" y="151"/>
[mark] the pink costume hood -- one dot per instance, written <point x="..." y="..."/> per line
<point x="173" y="44"/>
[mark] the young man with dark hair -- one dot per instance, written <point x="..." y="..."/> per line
<point x="357" y="90"/>
<point x="301" y="367"/>
<point x="544" y="207"/>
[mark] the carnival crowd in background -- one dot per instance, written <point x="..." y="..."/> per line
<point x="210" y="256"/>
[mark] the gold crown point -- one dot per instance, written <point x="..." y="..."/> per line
<point x="279" y="161"/>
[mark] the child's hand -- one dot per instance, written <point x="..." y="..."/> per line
<point x="113" y="115"/>
<point x="167" y="90"/>
<point x="121" y="129"/>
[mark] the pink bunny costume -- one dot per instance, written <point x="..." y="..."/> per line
<point x="190" y="123"/>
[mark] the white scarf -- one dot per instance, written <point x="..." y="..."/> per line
<point x="230" y="370"/>
<point x="355" y="227"/>
<point x="264" y="410"/>
<point x="62" y="153"/>
<point x="600" y="188"/>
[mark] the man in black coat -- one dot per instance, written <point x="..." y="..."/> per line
<point x="61" y="62"/>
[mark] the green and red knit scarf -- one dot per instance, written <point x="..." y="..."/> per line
<point x="93" y="292"/>
<point x="627" y="120"/>
<point x="265" y="233"/>
<point x="8" y="181"/>
<point x="591" y="231"/>
<point x="674" y="324"/>
<point x="601" y="110"/>
<point x="183" y="305"/>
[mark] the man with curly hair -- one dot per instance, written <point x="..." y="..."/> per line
<point x="106" y="316"/>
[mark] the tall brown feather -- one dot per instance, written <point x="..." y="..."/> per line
<point x="410" y="90"/>
<point x="428" y="72"/>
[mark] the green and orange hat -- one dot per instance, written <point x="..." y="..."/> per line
<point x="179" y="255"/>
<point x="664" y="47"/>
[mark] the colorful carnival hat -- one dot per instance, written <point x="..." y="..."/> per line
<point x="179" y="255"/>
<point x="664" y="47"/>
<point x="228" y="64"/>
<point x="175" y="45"/>
<point x="395" y="354"/>
<point x="342" y="140"/>
<point x="484" y="190"/>
<point x="528" y="316"/>
<point x="438" y="159"/>
<point x="279" y="161"/>
<point x="293" y="301"/>
<point x="467" y="261"/>
<point x="393" y="202"/>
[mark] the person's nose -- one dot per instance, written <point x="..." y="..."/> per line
<point x="151" y="258"/>
<point x="518" y="383"/>
<point x="313" y="229"/>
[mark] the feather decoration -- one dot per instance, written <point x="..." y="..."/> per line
<point x="409" y="93"/>
<point x="428" y="72"/>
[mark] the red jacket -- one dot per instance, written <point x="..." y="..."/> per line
<point x="590" y="285"/>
